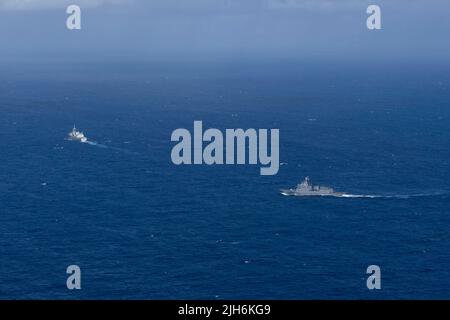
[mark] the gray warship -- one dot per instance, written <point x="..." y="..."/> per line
<point x="307" y="189"/>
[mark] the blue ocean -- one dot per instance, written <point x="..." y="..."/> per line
<point x="141" y="227"/>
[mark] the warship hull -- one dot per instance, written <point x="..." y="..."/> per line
<point x="307" y="189"/>
<point x="292" y="192"/>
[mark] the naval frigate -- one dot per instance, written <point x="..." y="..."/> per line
<point x="306" y="189"/>
<point x="76" y="135"/>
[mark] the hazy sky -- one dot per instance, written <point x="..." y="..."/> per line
<point x="304" y="29"/>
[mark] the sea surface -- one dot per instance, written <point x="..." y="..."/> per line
<point x="141" y="227"/>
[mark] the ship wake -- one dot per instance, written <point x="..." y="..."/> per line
<point x="96" y="144"/>
<point x="104" y="146"/>
<point x="395" y="196"/>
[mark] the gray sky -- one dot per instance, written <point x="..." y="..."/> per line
<point x="274" y="29"/>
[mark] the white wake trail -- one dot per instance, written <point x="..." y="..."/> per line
<point x="103" y="146"/>
<point x="394" y="196"/>
<point x="96" y="144"/>
<point x="345" y="195"/>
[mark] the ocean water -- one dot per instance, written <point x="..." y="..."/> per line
<point x="140" y="227"/>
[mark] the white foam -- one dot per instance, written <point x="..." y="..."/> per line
<point x="394" y="196"/>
